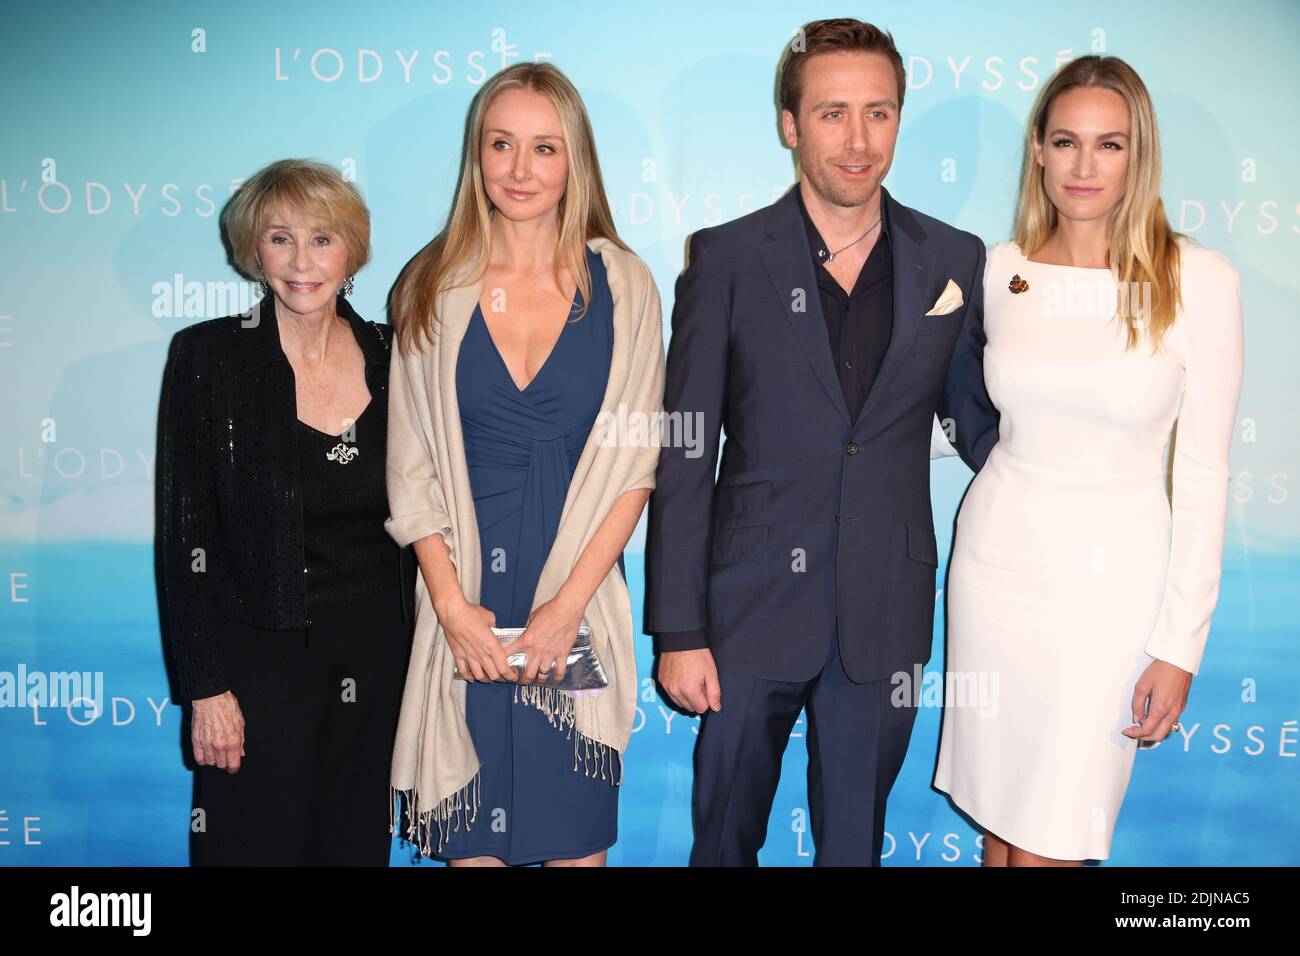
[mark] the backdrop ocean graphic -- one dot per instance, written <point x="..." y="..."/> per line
<point x="128" y="128"/>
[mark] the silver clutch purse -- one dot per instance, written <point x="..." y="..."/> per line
<point x="582" y="670"/>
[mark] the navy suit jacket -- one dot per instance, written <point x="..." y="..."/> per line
<point x="815" y="519"/>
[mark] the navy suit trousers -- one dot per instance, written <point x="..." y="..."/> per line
<point x="856" y="744"/>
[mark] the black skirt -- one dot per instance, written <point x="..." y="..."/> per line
<point x="320" y="713"/>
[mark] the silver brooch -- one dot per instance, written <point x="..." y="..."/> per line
<point x="342" y="453"/>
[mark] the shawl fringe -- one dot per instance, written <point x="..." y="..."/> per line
<point x="559" y="710"/>
<point x="447" y="816"/>
<point x="461" y="807"/>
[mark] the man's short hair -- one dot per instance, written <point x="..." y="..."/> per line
<point x="843" y="35"/>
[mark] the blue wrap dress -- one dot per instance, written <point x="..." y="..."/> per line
<point x="522" y="447"/>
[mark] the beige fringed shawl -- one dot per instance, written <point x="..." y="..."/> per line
<point x="434" y="763"/>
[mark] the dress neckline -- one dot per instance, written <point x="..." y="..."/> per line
<point x="338" y="437"/>
<point x="1055" y="265"/>
<point x="573" y="307"/>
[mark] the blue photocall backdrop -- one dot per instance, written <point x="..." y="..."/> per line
<point x="127" y="126"/>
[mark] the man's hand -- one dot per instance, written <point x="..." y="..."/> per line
<point x="690" y="679"/>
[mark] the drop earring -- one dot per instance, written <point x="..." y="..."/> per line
<point x="261" y="281"/>
<point x="347" y="287"/>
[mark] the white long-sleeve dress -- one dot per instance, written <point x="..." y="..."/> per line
<point x="1070" y="569"/>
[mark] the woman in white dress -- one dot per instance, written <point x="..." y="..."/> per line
<point x="1074" y="593"/>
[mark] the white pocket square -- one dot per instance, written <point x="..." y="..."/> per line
<point x="949" y="301"/>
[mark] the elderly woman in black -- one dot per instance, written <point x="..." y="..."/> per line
<point x="288" y="606"/>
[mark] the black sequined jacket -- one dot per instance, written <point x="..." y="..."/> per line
<point x="230" y="540"/>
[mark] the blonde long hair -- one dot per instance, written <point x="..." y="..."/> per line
<point x="466" y="240"/>
<point x="1143" y="248"/>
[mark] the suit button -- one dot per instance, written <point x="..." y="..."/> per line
<point x="837" y="517"/>
<point x="853" y="448"/>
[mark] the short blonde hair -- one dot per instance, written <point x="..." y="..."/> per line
<point x="302" y="187"/>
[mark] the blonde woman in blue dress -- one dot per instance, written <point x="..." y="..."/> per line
<point x="523" y="328"/>
<point x="1082" y="579"/>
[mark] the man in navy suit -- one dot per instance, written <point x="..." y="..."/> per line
<point x="824" y="333"/>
